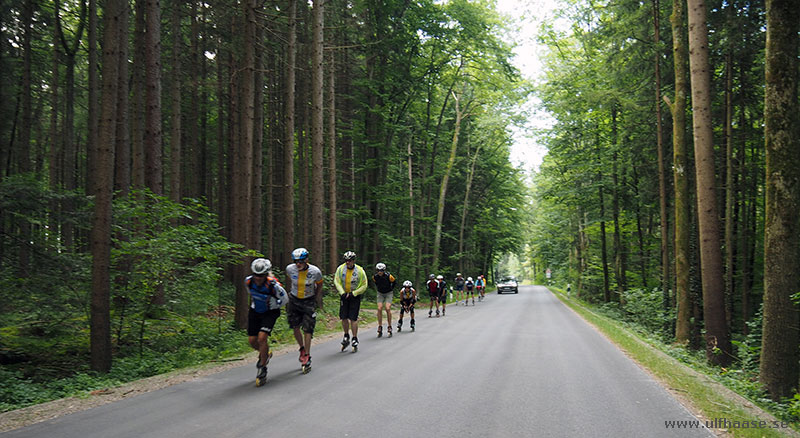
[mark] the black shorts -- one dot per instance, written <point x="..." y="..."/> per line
<point x="469" y="290"/>
<point x="407" y="305"/>
<point x="349" y="307"/>
<point x="302" y="313"/>
<point x="261" y="322"/>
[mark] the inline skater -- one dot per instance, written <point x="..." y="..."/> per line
<point x="351" y="282"/>
<point x="408" y="296"/>
<point x="305" y="297"/>
<point x="480" y="285"/>
<point x="433" y="289"/>
<point x="459" y="285"/>
<point x="267" y="297"/>
<point x="442" y="293"/>
<point x="384" y="283"/>
<point x="470" y="285"/>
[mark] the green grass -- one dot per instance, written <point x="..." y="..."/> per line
<point x="703" y="393"/>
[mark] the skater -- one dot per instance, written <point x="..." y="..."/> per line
<point x="480" y="285"/>
<point x="305" y="298"/>
<point x="433" y="289"/>
<point x="442" y="293"/>
<point x="408" y="296"/>
<point x="469" y="292"/>
<point x="459" y="284"/>
<point x="384" y="283"/>
<point x="268" y="296"/>
<point x="351" y="282"/>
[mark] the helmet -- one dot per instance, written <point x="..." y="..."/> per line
<point x="299" y="254"/>
<point x="431" y="276"/>
<point x="349" y="255"/>
<point x="458" y="275"/>
<point x="439" y="277"/>
<point x="260" y="266"/>
<point x="469" y="278"/>
<point x="380" y="267"/>
<point x="407" y="283"/>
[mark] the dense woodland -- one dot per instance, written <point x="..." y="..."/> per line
<point x="148" y="150"/>
<point x="670" y="189"/>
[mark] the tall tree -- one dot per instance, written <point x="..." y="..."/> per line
<point x="154" y="179"/>
<point x="175" y="139"/>
<point x="101" y="180"/>
<point x="288" y="139"/>
<point x="718" y="344"/>
<point x="779" y="352"/>
<point x="662" y="174"/>
<point x="333" y="210"/>
<point x="317" y="134"/>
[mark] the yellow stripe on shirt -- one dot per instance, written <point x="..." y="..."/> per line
<point x="348" y="281"/>
<point x="301" y="284"/>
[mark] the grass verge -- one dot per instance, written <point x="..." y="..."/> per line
<point x="705" y="397"/>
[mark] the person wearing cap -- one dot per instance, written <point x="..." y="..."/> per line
<point x="351" y="282"/>
<point x="480" y="286"/>
<point x="442" y="294"/>
<point x="305" y="297"/>
<point x="470" y="285"/>
<point x="433" y="289"/>
<point x="267" y="297"/>
<point x="384" y="283"/>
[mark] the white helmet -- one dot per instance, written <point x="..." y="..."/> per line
<point x="380" y="267"/>
<point x="469" y="278"/>
<point x="349" y="255"/>
<point x="439" y="277"/>
<point x="407" y="283"/>
<point x="458" y="275"/>
<point x="299" y="254"/>
<point x="260" y="266"/>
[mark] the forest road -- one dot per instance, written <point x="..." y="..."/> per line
<point x="513" y="365"/>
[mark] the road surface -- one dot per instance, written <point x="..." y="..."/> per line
<point x="513" y="365"/>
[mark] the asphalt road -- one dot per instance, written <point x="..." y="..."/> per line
<point x="513" y="365"/>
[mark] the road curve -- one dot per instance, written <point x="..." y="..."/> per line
<point x="513" y="365"/>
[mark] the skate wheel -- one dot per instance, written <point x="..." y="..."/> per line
<point x="260" y="382"/>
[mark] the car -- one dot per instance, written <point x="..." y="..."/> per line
<point x="507" y="284"/>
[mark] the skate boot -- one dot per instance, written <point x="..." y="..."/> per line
<point x="345" y="342"/>
<point x="437" y="313"/>
<point x="261" y="377"/>
<point x="412" y="324"/>
<point x="430" y="313"/>
<point x="443" y="311"/>
<point x="389" y="331"/>
<point x="355" y="344"/>
<point x="380" y="331"/>
<point x="305" y="363"/>
<point x="400" y="325"/>
<point x="302" y="353"/>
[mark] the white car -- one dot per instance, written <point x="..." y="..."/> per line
<point x="507" y="284"/>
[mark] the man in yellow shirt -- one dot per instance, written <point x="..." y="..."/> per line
<point x="351" y="282"/>
<point x="305" y="297"/>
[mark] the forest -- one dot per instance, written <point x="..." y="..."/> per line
<point x="149" y="150"/>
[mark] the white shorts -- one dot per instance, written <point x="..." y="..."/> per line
<point x="385" y="298"/>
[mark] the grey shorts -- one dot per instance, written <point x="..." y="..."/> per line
<point x="385" y="298"/>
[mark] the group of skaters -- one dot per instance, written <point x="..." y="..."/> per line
<point x="304" y="298"/>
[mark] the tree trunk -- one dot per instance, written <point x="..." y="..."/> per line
<point x="138" y="99"/>
<point x="175" y="140"/>
<point x="662" y="174"/>
<point x="465" y="209"/>
<point x="257" y="209"/>
<point x="122" y="153"/>
<point x="317" y="135"/>
<point x="779" y="347"/>
<point x="718" y="344"/>
<point x="288" y="139"/>
<point x="153" y="142"/>
<point x="333" y="221"/>
<point x="680" y="163"/>
<point x="101" y="179"/>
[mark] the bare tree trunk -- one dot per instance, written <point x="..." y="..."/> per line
<point x="138" y="107"/>
<point x="683" y="224"/>
<point x="102" y="180"/>
<point x="317" y="135"/>
<point x="24" y="145"/>
<point x="465" y="209"/>
<point x="411" y="217"/>
<point x="779" y="347"/>
<point x="175" y="140"/>
<point x="122" y="154"/>
<point x="718" y="344"/>
<point x="153" y="141"/>
<point x="258" y="141"/>
<point x="333" y="224"/>
<point x="288" y="140"/>
<point x="662" y="174"/>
